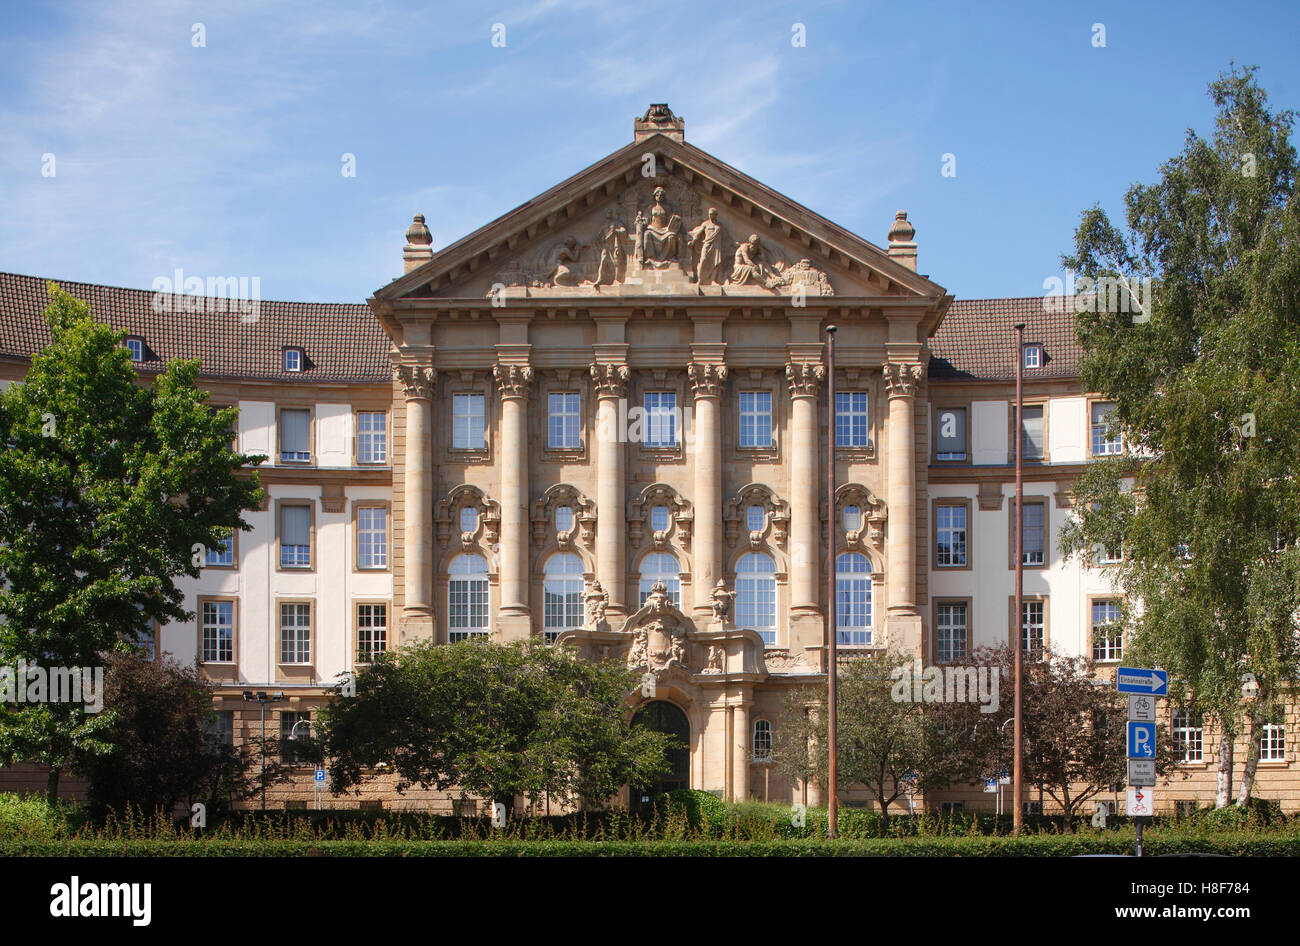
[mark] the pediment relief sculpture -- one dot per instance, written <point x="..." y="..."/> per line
<point x="658" y="237"/>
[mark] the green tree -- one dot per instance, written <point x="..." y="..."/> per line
<point x="163" y="750"/>
<point x="493" y="720"/>
<point x="109" y="490"/>
<point x="1207" y="388"/>
<point x="888" y="744"/>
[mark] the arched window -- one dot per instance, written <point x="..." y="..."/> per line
<point x="659" y="519"/>
<point x="561" y="595"/>
<point x="660" y="566"/>
<point x="467" y="597"/>
<point x="564" y="519"/>
<point x="762" y="740"/>
<point x="756" y="595"/>
<point x="853" y="599"/>
<point x="754" y="518"/>
<point x="469" y="519"/>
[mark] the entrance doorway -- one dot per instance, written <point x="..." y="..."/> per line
<point x="666" y="718"/>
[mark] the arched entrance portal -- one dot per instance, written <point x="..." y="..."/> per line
<point x="666" y="718"/>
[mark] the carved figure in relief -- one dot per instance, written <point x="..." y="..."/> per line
<point x="658" y="238"/>
<point x="714" y="663"/>
<point x="721" y="600"/>
<point x="613" y="257"/>
<point x="597" y="600"/>
<point x="706" y="243"/>
<point x="566" y="251"/>
<point x="749" y="264"/>
<point x="805" y="274"/>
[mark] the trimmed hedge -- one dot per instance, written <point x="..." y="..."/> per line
<point x="1045" y="845"/>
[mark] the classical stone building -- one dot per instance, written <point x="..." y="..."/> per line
<point x="602" y="419"/>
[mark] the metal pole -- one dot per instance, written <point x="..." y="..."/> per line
<point x="1017" y="793"/>
<point x="832" y="655"/>
<point x="1138" y="820"/>
<point x="262" y="704"/>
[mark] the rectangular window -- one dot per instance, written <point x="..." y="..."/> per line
<point x="756" y="605"/>
<point x="372" y="437"/>
<point x="221" y="556"/>
<point x="372" y="631"/>
<point x="295" y="436"/>
<point x="564" y="421"/>
<point x="294" y="728"/>
<point x="295" y="633"/>
<point x="756" y="418"/>
<point x="1104" y="444"/>
<point x="136" y="347"/>
<point x="1272" y="743"/>
<point x="1032" y="444"/>
<point x="851" y="422"/>
<point x="660" y="419"/>
<point x="467" y="607"/>
<point x="1107" y="635"/>
<point x="1033" y="628"/>
<point x="468" y="422"/>
<point x="1033" y="356"/>
<point x="950" y="535"/>
<point x="950" y="434"/>
<point x="293" y="359"/>
<point x="218" y="626"/>
<point x="951" y="631"/>
<point x="1110" y="556"/>
<point x="295" y="536"/>
<point x="1188" y="737"/>
<point x="219" y="729"/>
<point x="1034" y="536"/>
<point x="372" y="537"/>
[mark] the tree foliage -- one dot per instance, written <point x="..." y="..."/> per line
<point x="106" y="488"/>
<point x="1205" y="501"/>
<point x="493" y="720"/>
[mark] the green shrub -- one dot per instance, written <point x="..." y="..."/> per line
<point x="705" y="813"/>
<point x="31" y="819"/>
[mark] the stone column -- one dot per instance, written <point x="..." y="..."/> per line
<point x="707" y="382"/>
<point x="741" y="749"/>
<point x="419" y="383"/>
<point x="904" y="625"/>
<point x="806" y="380"/>
<point x="515" y="382"/>
<point x="610" y="380"/>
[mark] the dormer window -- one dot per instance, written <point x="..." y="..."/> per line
<point x="136" y="347"/>
<point x="1033" y="356"/>
<point x="293" y="359"/>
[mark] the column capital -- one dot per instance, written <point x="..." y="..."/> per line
<point x="805" y="377"/>
<point x="901" y="379"/>
<point x="418" y="381"/>
<point x="707" y="378"/>
<point x="514" y="380"/>
<point x="610" y="379"/>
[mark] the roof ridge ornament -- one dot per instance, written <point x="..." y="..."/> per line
<point x="659" y="120"/>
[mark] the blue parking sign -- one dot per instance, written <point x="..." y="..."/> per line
<point x="1141" y="740"/>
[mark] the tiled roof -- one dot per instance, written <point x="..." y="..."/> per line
<point x="342" y="343"/>
<point x="977" y="339"/>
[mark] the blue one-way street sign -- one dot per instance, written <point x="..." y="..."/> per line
<point x="1139" y="680"/>
<point x="1141" y="740"/>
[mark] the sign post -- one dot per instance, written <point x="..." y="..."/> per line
<point x="1142" y="686"/>
<point x="318" y="783"/>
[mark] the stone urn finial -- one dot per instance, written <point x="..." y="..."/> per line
<point x="902" y="241"/>
<point x="419" y="244"/>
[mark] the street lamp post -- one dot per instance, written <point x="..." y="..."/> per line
<point x="1018" y="787"/>
<point x="832" y="654"/>
<point x="261" y="698"/>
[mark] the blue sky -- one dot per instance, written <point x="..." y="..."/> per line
<point x="226" y="159"/>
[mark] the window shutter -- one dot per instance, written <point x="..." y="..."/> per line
<point x="951" y="432"/>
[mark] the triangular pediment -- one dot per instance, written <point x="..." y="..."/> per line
<point x="660" y="217"/>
